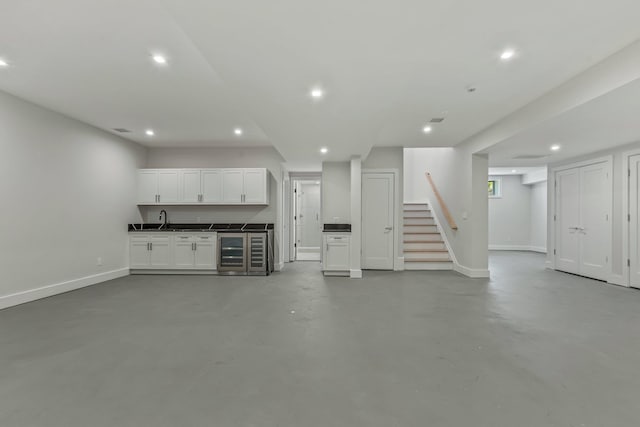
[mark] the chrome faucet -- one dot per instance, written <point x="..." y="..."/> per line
<point x="166" y="218"/>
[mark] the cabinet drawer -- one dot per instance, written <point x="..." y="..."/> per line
<point x="338" y="239"/>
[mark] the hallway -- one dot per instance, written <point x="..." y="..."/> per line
<point x="529" y="347"/>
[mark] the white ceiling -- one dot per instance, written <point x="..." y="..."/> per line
<point x="387" y="67"/>
<point x="518" y="170"/>
<point x="608" y="121"/>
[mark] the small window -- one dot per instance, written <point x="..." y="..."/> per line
<point x="495" y="188"/>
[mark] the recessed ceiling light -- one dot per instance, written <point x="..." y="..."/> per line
<point x="159" y="59"/>
<point x="3" y="63"/>
<point x="555" y="147"/>
<point x="149" y="132"/>
<point x="317" y="93"/>
<point x="237" y="131"/>
<point x="324" y="150"/>
<point x="507" y="54"/>
<point x="427" y="129"/>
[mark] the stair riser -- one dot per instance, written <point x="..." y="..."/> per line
<point x="431" y="256"/>
<point x="410" y="214"/>
<point x="420" y="228"/>
<point x="424" y="246"/>
<point x="415" y="207"/>
<point x="419" y="221"/>
<point x="422" y="237"/>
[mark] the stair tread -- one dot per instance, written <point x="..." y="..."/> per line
<point x="426" y="260"/>
<point x="426" y="250"/>
<point x="424" y="232"/>
<point x="424" y="241"/>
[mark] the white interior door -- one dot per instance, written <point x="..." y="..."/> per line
<point x="595" y="206"/>
<point x="634" y="221"/>
<point x="308" y="228"/>
<point x="378" y="231"/>
<point x="568" y="221"/>
<point x="583" y="220"/>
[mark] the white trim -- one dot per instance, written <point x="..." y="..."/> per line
<point x="475" y="273"/>
<point x="398" y="260"/>
<point x="355" y="274"/>
<point x="552" y="207"/>
<point x="59" y="288"/>
<point x="618" y="279"/>
<point x="169" y="272"/>
<point x="279" y="266"/>
<point x="549" y="265"/>
<point x="518" y="248"/>
<point x="626" y="208"/>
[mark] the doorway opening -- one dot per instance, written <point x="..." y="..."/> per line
<point x="306" y="226"/>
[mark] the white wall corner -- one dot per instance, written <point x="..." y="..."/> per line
<point x="59" y="288"/>
<point x="279" y="266"/>
<point x="549" y="265"/>
<point x="474" y="273"/>
<point x="355" y="274"/>
<point x="618" y="279"/>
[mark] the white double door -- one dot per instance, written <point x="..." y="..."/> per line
<point x="583" y="203"/>
<point x="378" y="220"/>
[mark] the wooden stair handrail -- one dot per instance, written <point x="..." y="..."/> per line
<point x="443" y="205"/>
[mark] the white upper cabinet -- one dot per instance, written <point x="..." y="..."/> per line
<point x="232" y="186"/>
<point x="203" y="186"/>
<point x="255" y="187"/>
<point x="190" y="185"/>
<point x="211" y="186"/>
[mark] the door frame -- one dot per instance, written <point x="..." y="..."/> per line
<point x="551" y="259"/>
<point x="294" y="177"/>
<point x="398" y="263"/>
<point x="625" y="280"/>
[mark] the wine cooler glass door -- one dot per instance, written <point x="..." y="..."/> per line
<point x="232" y="252"/>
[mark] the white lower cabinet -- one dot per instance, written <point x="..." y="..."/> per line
<point x="336" y="254"/>
<point x="172" y="251"/>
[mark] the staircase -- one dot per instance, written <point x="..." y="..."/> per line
<point x="424" y="248"/>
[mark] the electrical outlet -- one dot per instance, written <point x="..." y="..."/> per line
<point x="99" y="261"/>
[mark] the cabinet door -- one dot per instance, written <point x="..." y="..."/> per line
<point x="255" y="186"/>
<point x="168" y="186"/>
<point x="183" y="251"/>
<point x="205" y="252"/>
<point x="211" y="186"/>
<point x="147" y="187"/>
<point x="337" y="253"/>
<point x="232" y="185"/>
<point x="190" y="186"/>
<point x="139" y="254"/>
<point x="160" y="252"/>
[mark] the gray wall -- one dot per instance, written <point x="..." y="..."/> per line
<point x="68" y="192"/>
<point x="539" y="217"/>
<point x="336" y="192"/>
<point x="510" y="215"/>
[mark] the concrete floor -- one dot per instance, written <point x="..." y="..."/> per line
<point x="530" y="347"/>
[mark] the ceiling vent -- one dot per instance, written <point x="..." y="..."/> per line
<point x="529" y="156"/>
<point x="122" y="130"/>
<point x="437" y="120"/>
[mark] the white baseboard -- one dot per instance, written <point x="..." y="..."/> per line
<point x="549" y="265"/>
<point x="355" y="274"/>
<point x="59" y="288"/>
<point x="399" y="264"/>
<point x="279" y="266"/>
<point x="617" y="279"/>
<point x="517" y="248"/>
<point x="475" y="273"/>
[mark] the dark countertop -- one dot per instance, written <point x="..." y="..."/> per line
<point x="201" y="227"/>
<point x="328" y="228"/>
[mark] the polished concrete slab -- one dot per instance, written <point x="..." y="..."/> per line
<point x="529" y="347"/>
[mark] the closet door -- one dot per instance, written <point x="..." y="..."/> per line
<point x="568" y="221"/>
<point x="595" y="229"/>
